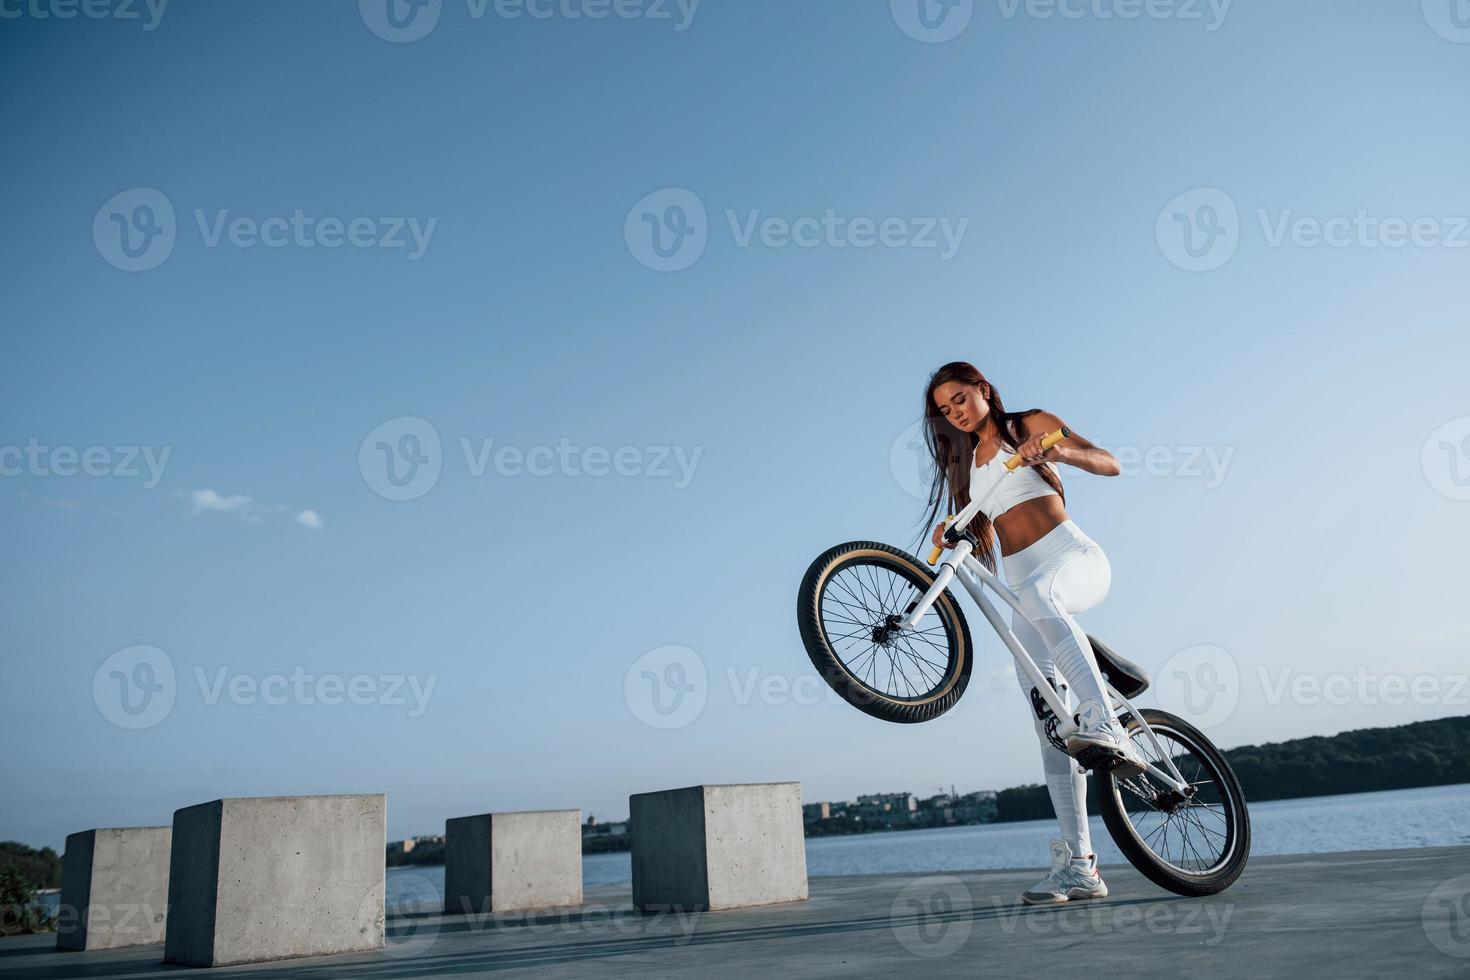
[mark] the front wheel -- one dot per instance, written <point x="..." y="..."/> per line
<point x="848" y="609"/>
<point x="1190" y="846"/>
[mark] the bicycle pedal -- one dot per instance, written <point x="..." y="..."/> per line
<point x="1099" y="759"/>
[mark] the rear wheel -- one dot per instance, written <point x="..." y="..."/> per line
<point x="1191" y="846"/>
<point x="849" y="606"/>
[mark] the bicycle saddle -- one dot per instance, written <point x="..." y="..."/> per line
<point x="1130" y="679"/>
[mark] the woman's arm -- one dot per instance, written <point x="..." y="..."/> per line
<point x="1073" y="450"/>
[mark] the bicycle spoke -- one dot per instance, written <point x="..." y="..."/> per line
<point x="858" y="604"/>
<point x="1191" y="834"/>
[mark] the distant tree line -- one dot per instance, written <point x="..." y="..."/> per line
<point x="41" y="869"/>
<point x="23" y="872"/>
<point x="424" y="853"/>
<point x="1425" y="753"/>
<point x="606" y="843"/>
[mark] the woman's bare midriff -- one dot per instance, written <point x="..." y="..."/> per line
<point x="1028" y="522"/>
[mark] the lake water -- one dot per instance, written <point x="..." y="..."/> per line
<point x="1435" y="817"/>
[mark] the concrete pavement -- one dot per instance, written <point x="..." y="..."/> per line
<point x="1363" y="914"/>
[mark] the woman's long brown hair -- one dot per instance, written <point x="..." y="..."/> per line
<point x="953" y="453"/>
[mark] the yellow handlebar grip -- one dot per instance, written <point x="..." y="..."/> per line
<point x="1046" y="443"/>
<point x="934" y="555"/>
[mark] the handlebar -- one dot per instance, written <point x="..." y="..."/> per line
<point x="1048" y="441"/>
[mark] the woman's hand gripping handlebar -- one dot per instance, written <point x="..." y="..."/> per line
<point x="953" y="526"/>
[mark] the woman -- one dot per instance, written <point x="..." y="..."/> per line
<point x="1055" y="570"/>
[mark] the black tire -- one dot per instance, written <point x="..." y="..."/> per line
<point x="863" y="579"/>
<point x="1220" y="832"/>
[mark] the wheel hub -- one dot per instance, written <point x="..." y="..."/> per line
<point x="1170" y="800"/>
<point x="884" y="632"/>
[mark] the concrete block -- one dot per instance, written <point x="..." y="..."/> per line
<point x="276" y="877"/>
<point x="114" y="888"/>
<point x="717" y="847"/>
<point x="503" y="862"/>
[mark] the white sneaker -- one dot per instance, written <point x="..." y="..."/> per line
<point x="1067" y="881"/>
<point x="1101" y="743"/>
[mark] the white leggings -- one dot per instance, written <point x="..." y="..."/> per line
<point x="1063" y="573"/>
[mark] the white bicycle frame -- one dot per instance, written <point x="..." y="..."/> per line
<point x="961" y="563"/>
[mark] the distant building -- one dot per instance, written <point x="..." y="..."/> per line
<point x="898" y="811"/>
<point x="591" y="828"/>
<point x="890" y="802"/>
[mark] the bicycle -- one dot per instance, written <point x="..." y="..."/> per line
<point x="913" y="660"/>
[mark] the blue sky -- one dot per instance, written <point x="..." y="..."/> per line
<point x="1302" y="513"/>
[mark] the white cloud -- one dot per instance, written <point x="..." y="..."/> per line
<point x="244" y="506"/>
<point x="204" y="500"/>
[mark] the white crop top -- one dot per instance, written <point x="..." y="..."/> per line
<point x="999" y="489"/>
